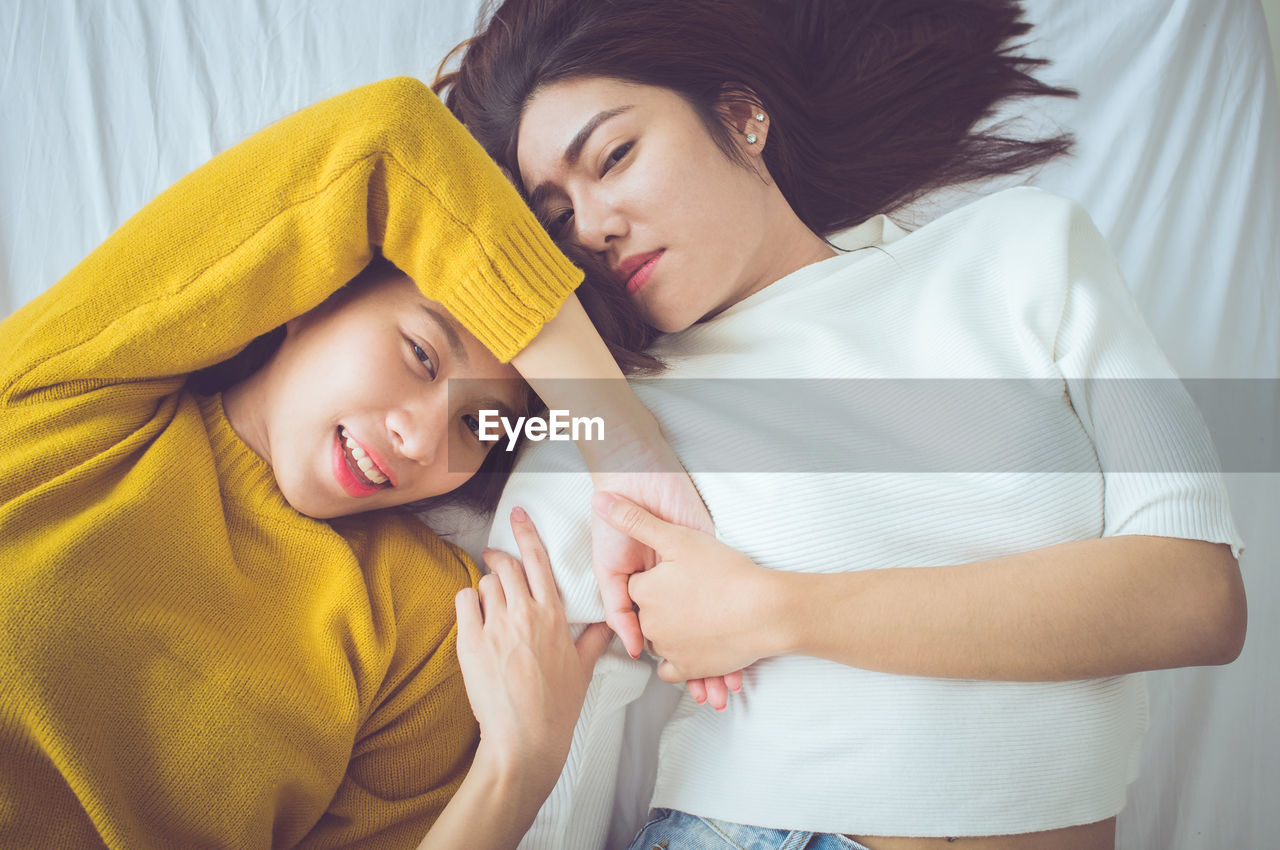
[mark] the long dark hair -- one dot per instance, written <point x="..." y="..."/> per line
<point x="872" y="104"/>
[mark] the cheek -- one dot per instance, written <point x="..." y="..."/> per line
<point x="449" y="475"/>
<point x="357" y="367"/>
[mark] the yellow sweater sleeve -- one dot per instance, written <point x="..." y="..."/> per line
<point x="271" y="227"/>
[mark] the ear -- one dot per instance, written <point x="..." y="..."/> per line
<point x="749" y="120"/>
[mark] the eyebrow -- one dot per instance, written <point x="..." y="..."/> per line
<point x="574" y="151"/>
<point x="451" y="335"/>
<point x="494" y="403"/>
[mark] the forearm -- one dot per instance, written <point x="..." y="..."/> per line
<point x="570" y="368"/>
<point x="493" y="808"/>
<point x="1073" y="611"/>
<point x="271" y="227"/>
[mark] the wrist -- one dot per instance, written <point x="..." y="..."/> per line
<point x="508" y="777"/>
<point x="633" y="440"/>
<point x="812" y="611"/>
<point x="783" y="608"/>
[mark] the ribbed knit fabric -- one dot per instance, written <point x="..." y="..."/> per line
<point x="187" y="661"/>
<point x="1019" y="287"/>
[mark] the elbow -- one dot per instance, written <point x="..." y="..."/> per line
<point x="1230" y="641"/>
<point x="1225" y="609"/>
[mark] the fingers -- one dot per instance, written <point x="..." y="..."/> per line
<point x="592" y="642"/>
<point x="717" y="693"/>
<point x="711" y="690"/>
<point x="467" y="604"/>
<point x="533" y="554"/>
<point x="626" y="625"/>
<point x="734" y="681"/>
<point x="511" y="589"/>
<point x="492" y="600"/>
<point x="632" y="520"/>
<point x="619" y="612"/>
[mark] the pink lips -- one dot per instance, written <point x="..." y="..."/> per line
<point x="637" y="270"/>
<point x="355" y="485"/>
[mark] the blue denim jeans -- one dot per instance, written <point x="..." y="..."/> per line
<point x="672" y="830"/>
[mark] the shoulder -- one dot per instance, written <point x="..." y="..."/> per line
<point x="1008" y="226"/>
<point x="1025" y="232"/>
<point x="1020" y="212"/>
<point x="401" y="556"/>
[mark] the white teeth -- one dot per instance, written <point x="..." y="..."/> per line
<point x="362" y="459"/>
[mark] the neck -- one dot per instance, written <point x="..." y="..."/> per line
<point x="240" y="403"/>
<point x="790" y="247"/>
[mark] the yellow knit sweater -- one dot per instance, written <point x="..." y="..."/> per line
<point x="185" y="661"/>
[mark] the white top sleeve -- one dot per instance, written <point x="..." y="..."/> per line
<point x="1161" y="473"/>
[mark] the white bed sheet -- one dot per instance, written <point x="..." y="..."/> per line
<point x="107" y="102"/>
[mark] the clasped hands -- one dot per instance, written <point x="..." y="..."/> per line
<point x="702" y="605"/>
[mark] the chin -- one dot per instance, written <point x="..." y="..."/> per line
<point x="670" y="323"/>
<point x="313" y="511"/>
<point x="670" y="318"/>
<point x="309" y="507"/>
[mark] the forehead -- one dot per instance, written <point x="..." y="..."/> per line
<point x="556" y="113"/>
<point x="480" y="361"/>
<point x="475" y="374"/>
<point x="398" y="295"/>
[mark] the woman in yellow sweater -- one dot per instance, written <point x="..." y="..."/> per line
<point x="201" y="642"/>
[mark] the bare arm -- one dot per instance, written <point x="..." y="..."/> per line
<point x="1076" y="610"/>
<point x="493" y="808"/>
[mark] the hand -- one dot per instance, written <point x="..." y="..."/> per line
<point x="702" y="604"/>
<point x="616" y="557"/>
<point x="525" y="676"/>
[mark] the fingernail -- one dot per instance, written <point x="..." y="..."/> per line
<point x="721" y="707"/>
<point x="518" y="514"/>
<point x="633" y="654"/>
<point x="737" y="689"/>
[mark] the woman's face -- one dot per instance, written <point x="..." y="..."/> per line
<point x="369" y="373"/>
<point x="630" y="172"/>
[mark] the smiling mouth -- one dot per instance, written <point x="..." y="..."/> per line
<point x="359" y="462"/>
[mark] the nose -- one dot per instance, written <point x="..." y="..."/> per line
<point x="599" y="221"/>
<point x="418" y="426"/>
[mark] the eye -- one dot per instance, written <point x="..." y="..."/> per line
<point x="423" y="357"/>
<point x="472" y="423"/>
<point x="615" y="156"/>
<point x="558" y="222"/>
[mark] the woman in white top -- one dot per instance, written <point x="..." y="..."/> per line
<point x="938" y="642"/>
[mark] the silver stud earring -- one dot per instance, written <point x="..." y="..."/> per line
<point x="751" y="138"/>
<point x="759" y="116"/>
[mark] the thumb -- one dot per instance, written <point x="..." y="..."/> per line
<point x="631" y="519"/>
<point x="592" y="642"/>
